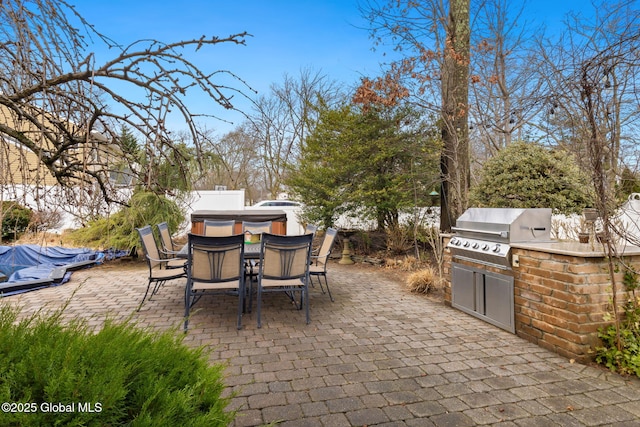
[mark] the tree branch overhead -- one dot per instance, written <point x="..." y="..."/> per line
<point x="55" y="98"/>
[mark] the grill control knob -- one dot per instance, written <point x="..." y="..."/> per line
<point x="485" y="247"/>
<point x="496" y="248"/>
<point x="466" y="244"/>
<point x="457" y="242"/>
<point x="476" y="246"/>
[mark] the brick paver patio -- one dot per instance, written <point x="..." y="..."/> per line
<point x="378" y="355"/>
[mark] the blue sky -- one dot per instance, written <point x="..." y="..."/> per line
<point x="288" y="35"/>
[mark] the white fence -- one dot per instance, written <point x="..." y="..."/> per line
<point x="426" y="216"/>
<point x="67" y="206"/>
<point x="60" y="208"/>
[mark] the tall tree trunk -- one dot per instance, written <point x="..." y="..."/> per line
<point x="454" y="162"/>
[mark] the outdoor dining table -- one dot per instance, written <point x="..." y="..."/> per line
<point x="252" y="250"/>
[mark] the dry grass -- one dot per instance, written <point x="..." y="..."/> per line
<point x="420" y="277"/>
<point x="45" y="239"/>
<point x="423" y="281"/>
<point x="408" y="263"/>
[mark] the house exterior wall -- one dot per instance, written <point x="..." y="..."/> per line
<point x="22" y="166"/>
<point x="19" y="166"/>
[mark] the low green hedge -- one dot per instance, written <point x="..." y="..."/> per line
<point x="55" y="373"/>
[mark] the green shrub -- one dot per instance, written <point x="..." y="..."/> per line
<point x="119" y="230"/>
<point x="128" y="375"/>
<point x="528" y="175"/>
<point x="15" y="219"/>
<point x="624" y="359"/>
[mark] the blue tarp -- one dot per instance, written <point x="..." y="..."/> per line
<point x="32" y="266"/>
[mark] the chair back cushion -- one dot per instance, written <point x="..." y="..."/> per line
<point x="216" y="259"/>
<point x="165" y="236"/>
<point x="149" y="246"/>
<point x="219" y="228"/>
<point x="327" y="244"/>
<point x="285" y="257"/>
<point x="256" y="227"/>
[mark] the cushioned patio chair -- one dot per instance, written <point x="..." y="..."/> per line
<point x="319" y="261"/>
<point x="310" y="228"/>
<point x="215" y="228"/>
<point x="284" y="268"/>
<point x="158" y="271"/>
<point x="250" y="228"/>
<point x="257" y="227"/>
<point x="215" y="265"/>
<point x="169" y="247"/>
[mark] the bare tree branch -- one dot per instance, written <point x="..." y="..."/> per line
<point x="55" y="97"/>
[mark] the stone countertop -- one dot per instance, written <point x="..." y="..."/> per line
<point x="575" y="248"/>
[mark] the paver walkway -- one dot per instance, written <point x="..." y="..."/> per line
<point x="378" y="355"/>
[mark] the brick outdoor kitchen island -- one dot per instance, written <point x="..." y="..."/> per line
<point x="562" y="291"/>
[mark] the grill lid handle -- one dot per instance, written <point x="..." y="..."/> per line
<point x="503" y="234"/>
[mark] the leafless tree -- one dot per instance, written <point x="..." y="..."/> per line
<point x="505" y="90"/>
<point x="58" y="103"/>
<point x="233" y="162"/>
<point x="281" y="121"/>
<point x="595" y="60"/>
<point x="592" y="81"/>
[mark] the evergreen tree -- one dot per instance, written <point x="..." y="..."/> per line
<point x="369" y="163"/>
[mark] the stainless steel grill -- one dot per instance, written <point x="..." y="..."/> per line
<point x="485" y="235"/>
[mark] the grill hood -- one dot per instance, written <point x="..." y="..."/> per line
<point x="506" y="225"/>
<point x="484" y="235"/>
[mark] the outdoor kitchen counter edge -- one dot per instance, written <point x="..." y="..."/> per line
<point x="574" y="248"/>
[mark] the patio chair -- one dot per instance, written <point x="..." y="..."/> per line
<point x="157" y="274"/>
<point x="284" y="267"/>
<point x="318" y="268"/>
<point x="169" y="247"/>
<point x="310" y="228"/>
<point x="256" y="227"/>
<point x="215" y="228"/>
<point x="215" y="266"/>
<point x="252" y="228"/>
